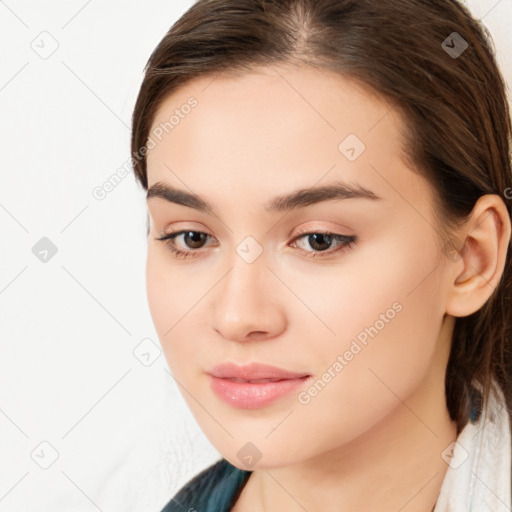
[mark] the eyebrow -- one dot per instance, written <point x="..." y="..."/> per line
<point x="297" y="199"/>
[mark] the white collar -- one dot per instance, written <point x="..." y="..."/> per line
<point x="478" y="478"/>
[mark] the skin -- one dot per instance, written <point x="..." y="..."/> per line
<point x="382" y="422"/>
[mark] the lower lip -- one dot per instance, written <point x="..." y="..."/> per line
<point x="247" y="395"/>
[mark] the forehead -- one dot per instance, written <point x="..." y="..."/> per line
<point x="279" y="123"/>
<point x="315" y="96"/>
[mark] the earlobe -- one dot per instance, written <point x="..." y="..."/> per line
<point x="485" y="240"/>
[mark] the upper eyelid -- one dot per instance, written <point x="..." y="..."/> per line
<point x="300" y="233"/>
<point x="174" y="234"/>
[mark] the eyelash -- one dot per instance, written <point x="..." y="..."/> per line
<point x="347" y="242"/>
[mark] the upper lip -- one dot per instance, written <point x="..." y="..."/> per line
<point x="253" y="371"/>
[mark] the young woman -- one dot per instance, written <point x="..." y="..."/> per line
<point x="329" y="191"/>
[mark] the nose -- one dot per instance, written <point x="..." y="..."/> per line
<point x="248" y="302"/>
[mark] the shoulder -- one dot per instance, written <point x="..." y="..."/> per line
<point x="213" y="489"/>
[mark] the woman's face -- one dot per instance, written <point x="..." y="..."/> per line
<point x="360" y="314"/>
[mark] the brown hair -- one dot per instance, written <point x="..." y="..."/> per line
<point x="454" y="108"/>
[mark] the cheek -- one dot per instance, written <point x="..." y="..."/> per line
<point x="384" y="310"/>
<point x="176" y="294"/>
<point x="160" y="297"/>
<point x="172" y="287"/>
<point x="169" y="295"/>
<point x="393" y="302"/>
<point x="395" y="271"/>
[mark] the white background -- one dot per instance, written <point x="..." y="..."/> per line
<point x="71" y="386"/>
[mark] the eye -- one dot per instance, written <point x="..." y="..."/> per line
<point x="194" y="238"/>
<point x="321" y="241"/>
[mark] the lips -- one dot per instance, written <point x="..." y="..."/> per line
<point x="255" y="385"/>
<point x="254" y="372"/>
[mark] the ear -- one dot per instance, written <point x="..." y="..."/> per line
<point x="484" y="241"/>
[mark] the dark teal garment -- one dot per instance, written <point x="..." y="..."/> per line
<point x="215" y="489"/>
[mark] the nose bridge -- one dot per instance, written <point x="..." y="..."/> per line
<point x="244" y="301"/>
<point x="245" y="283"/>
